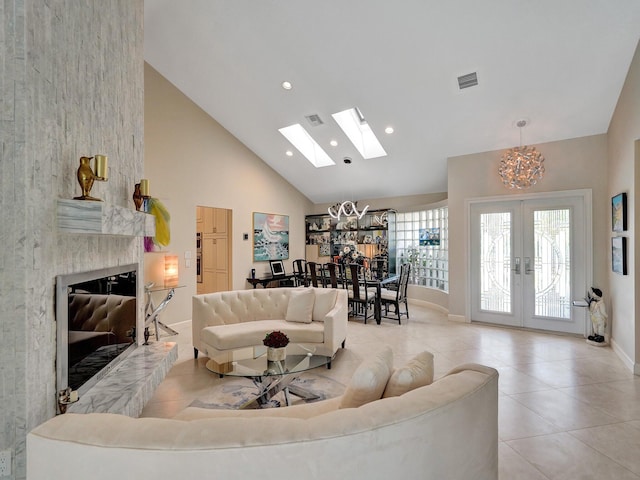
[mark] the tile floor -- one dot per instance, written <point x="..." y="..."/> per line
<point x="567" y="410"/>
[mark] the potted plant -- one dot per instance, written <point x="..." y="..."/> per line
<point x="276" y="342"/>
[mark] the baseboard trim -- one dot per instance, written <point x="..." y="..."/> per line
<point x="622" y="355"/>
<point x="424" y="303"/>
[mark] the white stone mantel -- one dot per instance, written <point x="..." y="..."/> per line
<point x="99" y="218"/>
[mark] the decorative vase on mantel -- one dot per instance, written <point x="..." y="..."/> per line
<point x="137" y="197"/>
<point x="276" y="354"/>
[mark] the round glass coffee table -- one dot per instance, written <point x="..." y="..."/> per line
<point x="269" y="377"/>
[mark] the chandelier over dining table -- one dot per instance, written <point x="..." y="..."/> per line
<point x="346" y="208"/>
<point x="521" y="167"/>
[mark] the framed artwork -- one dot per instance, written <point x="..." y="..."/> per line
<point x="619" y="255"/>
<point x="325" y="250"/>
<point x="619" y="212"/>
<point x="277" y="267"/>
<point x="270" y="237"/>
<point x="429" y="236"/>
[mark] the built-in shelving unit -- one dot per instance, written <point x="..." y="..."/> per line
<point x="373" y="235"/>
<point x="99" y="218"/>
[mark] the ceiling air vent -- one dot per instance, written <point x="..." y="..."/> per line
<point x="468" y="80"/>
<point x="314" y="119"/>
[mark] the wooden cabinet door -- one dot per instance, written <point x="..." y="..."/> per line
<point x="220" y="221"/>
<point x="215" y="220"/>
<point x="207" y="220"/>
<point x="216" y="250"/>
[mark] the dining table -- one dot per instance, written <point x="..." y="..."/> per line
<point x="377" y="283"/>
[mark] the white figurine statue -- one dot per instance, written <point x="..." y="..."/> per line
<point x="598" y="311"/>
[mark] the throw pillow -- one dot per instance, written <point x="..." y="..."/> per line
<point x="324" y="303"/>
<point x="418" y="372"/>
<point x="369" y="379"/>
<point x="300" y="307"/>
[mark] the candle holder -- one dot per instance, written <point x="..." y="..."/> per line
<point x="86" y="175"/>
<point x="144" y="195"/>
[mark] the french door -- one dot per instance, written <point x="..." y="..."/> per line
<point x="528" y="262"/>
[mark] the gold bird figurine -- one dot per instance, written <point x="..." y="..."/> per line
<point x="86" y="177"/>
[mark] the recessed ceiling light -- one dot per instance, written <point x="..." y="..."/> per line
<point x="289" y="153"/>
<point x="388" y="130"/>
<point x="287" y="85"/>
<point x="307" y="146"/>
<point x="333" y="143"/>
<point x="359" y="132"/>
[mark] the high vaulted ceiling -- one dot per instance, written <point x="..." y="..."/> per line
<point x="560" y="64"/>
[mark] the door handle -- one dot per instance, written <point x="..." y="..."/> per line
<point x="516" y="267"/>
<point x="527" y="266"/>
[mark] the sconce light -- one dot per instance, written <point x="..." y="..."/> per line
<point x="170" y="270"/>
<point x="86" y="175"/>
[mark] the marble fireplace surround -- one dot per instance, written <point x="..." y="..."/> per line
<point x="127" y="387"/>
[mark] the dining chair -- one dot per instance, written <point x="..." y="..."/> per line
<point x="377" y="267"/>
<point x="397" y="296"/>
<point x="332" y="280"/>
<point x="315" y="274"/>
<point x="361" y="295"/>
<point x="300" y="272"/>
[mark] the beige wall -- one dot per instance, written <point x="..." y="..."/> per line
<point x="190" y="159"/>
<point x="579" y="163"/>
<point x="624" y="161"/>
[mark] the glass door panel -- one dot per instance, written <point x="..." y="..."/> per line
<point x="552" y="263"/>
<point x="495" y="262"/>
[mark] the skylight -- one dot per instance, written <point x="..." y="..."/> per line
<point x="359" y="132"/>
<point x="307" y="146"/>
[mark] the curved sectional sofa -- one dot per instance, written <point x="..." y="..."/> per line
<point x="313" y="316"/>
<point x="447" y="429"/>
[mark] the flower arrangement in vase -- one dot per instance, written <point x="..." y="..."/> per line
<point x="276" y="342"/>
<point x="350" y="254"/>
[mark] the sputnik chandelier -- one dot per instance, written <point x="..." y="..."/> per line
<point x="521" y="167"/>
<point x="346" y="208"/>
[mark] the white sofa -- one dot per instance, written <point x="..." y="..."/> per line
<point x="444" y="430"/>
<point x="226" y="320"/>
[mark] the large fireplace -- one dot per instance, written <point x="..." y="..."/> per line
<point x="96" y="323"/>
